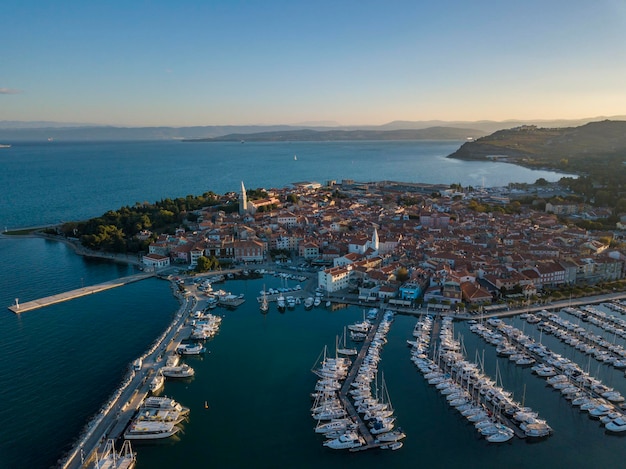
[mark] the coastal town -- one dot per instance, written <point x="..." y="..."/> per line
<point x="431" y="251"/>
<point x="408" y="243"/>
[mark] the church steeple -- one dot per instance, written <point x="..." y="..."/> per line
<point x="375" y="242"/>
<point x="243" y="201"/>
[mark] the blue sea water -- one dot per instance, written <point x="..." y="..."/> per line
<point x="45" y="183"/>
<point x="60" y="363"/>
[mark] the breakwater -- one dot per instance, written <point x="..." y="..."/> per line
<point x="18" y="308"/>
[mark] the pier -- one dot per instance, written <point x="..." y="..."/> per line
<point x="18" y="308"/>
<point x="343" y="393"/>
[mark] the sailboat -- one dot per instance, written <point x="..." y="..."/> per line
<point x="344" y="350"/>
<point x="264" y="307"/>
<point x="295" y="158"/>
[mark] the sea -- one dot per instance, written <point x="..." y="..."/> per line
<point x="61" y="363"/>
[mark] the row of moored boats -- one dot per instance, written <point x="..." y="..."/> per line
<point x="484" y="403"/>
<point x="586" y="392"/>
<point x="369" y="399"/>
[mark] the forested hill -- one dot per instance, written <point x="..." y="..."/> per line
<point x="551" y="147"/>
<point x="309" y="135"/>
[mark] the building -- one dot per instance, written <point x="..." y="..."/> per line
<point x="243" y="201"/>
<point x="156" y="261"/>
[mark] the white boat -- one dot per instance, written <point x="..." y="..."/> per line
<point x="190" y="349"/>
<point x="317" y="301"/>
<point x="181" y="371"/>
<point x="280" y="302"/>
<point x="264" y="306"/>
<point x="160" y="415"/>
<point x="164" y="403"/>
<point x="394" y="435"/>
<point x="157" y="382"/>
<point x="346" y="441"/>
<point x="111" y="459"/>
<point x="617" y="426"/>
<point x="142" y="430"/>
<point x="342" y="348"/>
<point x="502" y="435"/>
<point x="328" y="303"/>
<point x="308" y="302"/>
<point x="4" y="145"/>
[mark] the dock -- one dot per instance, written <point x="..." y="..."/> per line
<point x="343" y="394"/>
<point x="18" y="308"/>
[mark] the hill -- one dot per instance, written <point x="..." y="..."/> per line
<point x="534" y="146"/>
<point x="308" y="135"/>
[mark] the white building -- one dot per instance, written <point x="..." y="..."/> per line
<point x="156" y="261"/>
<point x="334" y="279"/>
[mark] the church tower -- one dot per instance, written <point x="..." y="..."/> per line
<point x="375" y="242"/>
<point x="243" y="201"/>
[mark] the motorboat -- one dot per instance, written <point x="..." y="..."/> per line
<point x="145" y="430"/>
<point x="346" y="441"/>
<point x="157" y="382"/>
<point x="190" y="349"/>
<point x="181" y="371"/>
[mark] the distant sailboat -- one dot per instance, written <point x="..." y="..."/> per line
<point x="295" y="157"/>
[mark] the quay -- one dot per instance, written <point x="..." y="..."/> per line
<point x="84" y="291"/>
<point x="343" y="393"/>
<point x="116" y="414"/>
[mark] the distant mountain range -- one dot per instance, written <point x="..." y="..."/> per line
<point x="15" y="131"/>
<point x="308" y="135"/>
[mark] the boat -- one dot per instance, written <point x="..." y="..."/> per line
<point x="4" y="145"/>
<point x="308" y="303"/>
<point x="163" y="403"/>
<point x="112" y="459"/>
<point x="231" y="301"/>
<point x="617" y="426"/>
<point x="146" y="430"/>
<point x="264" y="306"/>
<point x="328" y="303"/>
<point x="157" y="382"/>
<point x="393" y="446"/>
<point x="346" y="441"/>
<point x="317" y="301"/>
<point x="391" y="436"/>
<point x="160" y="415"/>
<point x="181" y="371"/>
<point x="190" y="349"/>
<point x="343" y="349"/>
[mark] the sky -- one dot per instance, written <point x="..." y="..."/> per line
<point x="365" y="62"/>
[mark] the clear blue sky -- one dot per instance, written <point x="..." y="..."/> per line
<point x="140" y="62"/>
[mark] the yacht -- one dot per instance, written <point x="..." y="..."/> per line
<point x="164" y="403"/>
<point x="144" y="430"/>
<point x="157" y="382"/>
<point x="190" y="349"/>
<point x="346" y="441"/>
<point x="182" y="371"/>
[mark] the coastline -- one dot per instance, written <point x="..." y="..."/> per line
<point x="79" y="248"/>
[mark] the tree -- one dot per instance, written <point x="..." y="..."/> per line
<point x="402" y="274"/>
<point x="204" y="264"/>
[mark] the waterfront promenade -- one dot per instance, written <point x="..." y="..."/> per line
<point x="115" y="415"/>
